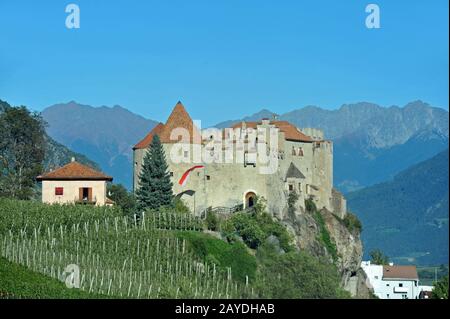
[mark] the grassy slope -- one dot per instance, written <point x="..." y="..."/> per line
<point x="223" y="254"/>
<point x="19" y="282"/>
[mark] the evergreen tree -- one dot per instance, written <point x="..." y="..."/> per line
<point x="155" y="187"/>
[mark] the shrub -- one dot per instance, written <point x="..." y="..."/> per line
<point x="223" y="254"/>
<point x="310" y="205"/>
<point x="212" y="222"/>
<point x="255" y="229"/>
<point x="296" y="275"/>
<point x="179" y="206"/>
<point x="352" y="222"/>
<point x="325" y="237"/>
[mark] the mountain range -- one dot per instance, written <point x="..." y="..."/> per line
<point x="407" y="217"/>
<point x="106" y="135"/>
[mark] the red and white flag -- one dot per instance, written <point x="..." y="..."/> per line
<point x="186" y="174"/>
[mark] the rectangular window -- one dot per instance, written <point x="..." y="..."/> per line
<point x="291" y="187"/>
<point x="59" y="191"/>
<point x="208" y="177"/>
<point x="171" y="174"/>
<point x="186" y="154"/>
<point x="400" y="285"/>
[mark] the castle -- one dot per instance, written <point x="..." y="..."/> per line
<point x="229" y="168"/>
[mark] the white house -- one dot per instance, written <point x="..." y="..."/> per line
<point x="75" y="183"/>
<point x="392" y="282"/>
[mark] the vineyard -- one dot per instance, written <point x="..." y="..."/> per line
<point x="117" y="256"/>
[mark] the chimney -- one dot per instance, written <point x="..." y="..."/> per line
<point x="265" y="121"/>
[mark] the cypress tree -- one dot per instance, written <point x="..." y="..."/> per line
<point x="155" y="187"/>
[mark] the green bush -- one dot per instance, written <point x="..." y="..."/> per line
<point x="310" y="205"/>
<point x="211" y="220"/>
<point x="296" y="275"/>
<point x="255" y="228"/>
<point x="325" y="237"/>
<point x="222" y="254"/>
<point x="352" y="223"/>
<point x="19" y="282"/>
<point x="179" y="206"/>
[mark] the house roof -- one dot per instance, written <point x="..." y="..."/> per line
<point x="74" y="171"/>
<point x="294" y="172"/>
<point x="147" y="140"/>
<point x="400" y="272"/>
<point x="291" y="133"/>
<point x="178" y="119"/>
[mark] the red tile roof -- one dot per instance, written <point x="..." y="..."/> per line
<point x="178" y="119"/>
<point x="291" y="133"/>
<point x="147" y="140"/>
<point x="400" y="272"/>
<point x="74" y="171"/>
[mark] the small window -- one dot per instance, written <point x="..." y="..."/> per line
<point x="376" y="277"/>
<point x="387" y="285"/>
<point x="208" y="177"/>
<point x="171" y="174"/>
<point x="186" y="153"/>
<point x="291" y="187"/>
<point x="59" y="191"/>
<point x="400" y="285"/>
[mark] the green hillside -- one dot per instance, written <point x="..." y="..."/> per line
<point x="407" y="217"/>
<point x="161" y="254"/>
<point x="18" y="282"/>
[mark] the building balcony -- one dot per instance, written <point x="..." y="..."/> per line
<point x="86" y="201"/>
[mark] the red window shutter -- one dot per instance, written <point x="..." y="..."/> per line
<point x="59" y="191"/>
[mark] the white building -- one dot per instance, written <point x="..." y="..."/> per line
<point x="75" y="183"/>
<point x="392" y="282"/>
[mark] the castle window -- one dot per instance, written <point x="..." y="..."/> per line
<point x="300" y="151"/>
<point x="59" y="191"/>
<point x="291" y="187"/>
<point x="208" y="177"/>
<point x="293" y="151"/>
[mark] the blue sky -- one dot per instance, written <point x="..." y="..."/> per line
<point x="223" y="59"/>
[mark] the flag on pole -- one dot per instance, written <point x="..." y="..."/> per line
<point x="186" y="174"/>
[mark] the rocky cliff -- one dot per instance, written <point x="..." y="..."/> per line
<point x="324" y="234"/>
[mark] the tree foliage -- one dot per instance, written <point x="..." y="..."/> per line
<point x="122" y="198"/>
<point x="377" y="257"/>
<point x="296" y="275"/>
<point x="155" y="186"/>
<point x="254" y="228"/>
<point x="22" y="150"/>
<point x="440" y="290"/>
